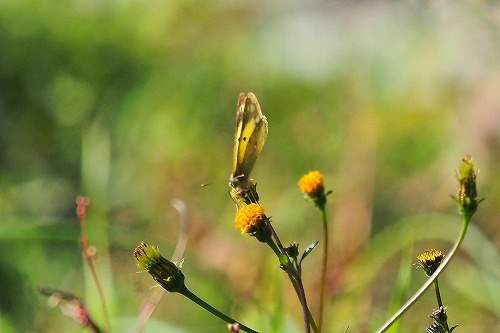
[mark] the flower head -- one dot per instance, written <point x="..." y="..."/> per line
<point x="311" y="184"/>
<point x="251" y="219"/>
<point x="163" y="271"/>
<point x="467" y="192"/>
<point x="430" y="260"/>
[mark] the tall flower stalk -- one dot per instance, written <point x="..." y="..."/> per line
<point x="429" y="261"/>
<point x="89" y="253"/>
<point x="312" y="186"/>
<point x="467" y="202"/>
<point x="170" y="277"/>
<point x="251" y="219"/>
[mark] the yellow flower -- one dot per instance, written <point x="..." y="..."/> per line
<point x="250" y="218"/>
<point x="311" y="184"/>
<point x="430" y="260"/>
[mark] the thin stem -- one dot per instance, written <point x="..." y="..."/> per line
<point x="313" y="323"/>
<point x="323" y="269"/>
<point x="438" y="294"/>
<point x="91" y="264"/>
<point x="93" y="327"/>
<point x="305" y="308"/>
<point x="186" y="292"/>
<point x="429" y="282"/>
<point x="299" y="289"/>
<point x="89" y="255"/>
<point x="297" y="286"/>
<point x="295" y="279"/>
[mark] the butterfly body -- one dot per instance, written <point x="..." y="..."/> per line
<point x="250" y="136"/>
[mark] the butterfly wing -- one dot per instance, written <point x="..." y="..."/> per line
<point x="250" y="136"/>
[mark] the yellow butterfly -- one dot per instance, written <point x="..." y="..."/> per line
<point x="249" y="139"/>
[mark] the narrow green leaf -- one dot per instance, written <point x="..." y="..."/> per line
<point x="308" y="250"/>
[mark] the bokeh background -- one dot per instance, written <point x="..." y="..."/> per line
<point x="132" y="103"/>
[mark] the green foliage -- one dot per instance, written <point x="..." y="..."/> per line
<point x="132" y="103"/>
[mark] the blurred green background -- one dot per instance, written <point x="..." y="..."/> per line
<point x="132" y="103"/>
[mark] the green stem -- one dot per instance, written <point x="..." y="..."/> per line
<point x="299" y="289"/>
<point x="303" y="301"/>
<point x="438" y="294"/>
<point x="429" y="282"/>
<point x="84" y="243"/>
<point x="294" y="277"/>
<point x="186" y="292"/>
<point x="91" y="264"/>
<point x="323" y="269"/>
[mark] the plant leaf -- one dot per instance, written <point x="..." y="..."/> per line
<point x="308" y="250"/>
